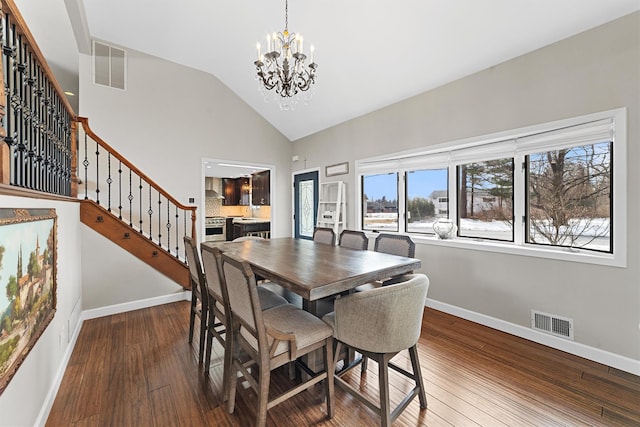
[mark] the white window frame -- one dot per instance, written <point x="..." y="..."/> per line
<point x="505" y="144"/>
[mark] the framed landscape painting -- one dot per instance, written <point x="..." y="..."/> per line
<point x="28" y="244"/>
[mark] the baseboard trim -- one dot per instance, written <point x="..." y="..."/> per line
<point x="135" y="305"/>
<point x="607" y="358"/>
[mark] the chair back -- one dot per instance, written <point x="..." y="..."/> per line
<point x="198" y="282"/>
<point x="240" y="284"/>
<point x="395" y="244"/>
<point x="354" y="240"/>
<point x="324" y="235"/>
<point x="383" y="320"/>
<point x="211" y="261"/>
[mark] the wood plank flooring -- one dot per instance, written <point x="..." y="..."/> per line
<point x="137" y="369"/>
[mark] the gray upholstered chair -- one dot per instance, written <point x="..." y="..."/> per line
<point x="218" y="309"/>
<point x="199" y="295"/>
<point x="379" y="324"/>
<point x="353" y="239"/>
<point x="324" y="235"/>
<point x="270" y="339"/>
<point x="394" y="244"/>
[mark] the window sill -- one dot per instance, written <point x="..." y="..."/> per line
<point x="559" y="254"/>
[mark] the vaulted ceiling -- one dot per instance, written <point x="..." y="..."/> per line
<point x="370" y="53"/>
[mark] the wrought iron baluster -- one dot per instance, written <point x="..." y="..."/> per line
<point x="140" y="211"/>
<point x="159" y="219"/>
<point x="177" y="235"/>
<point x="184" y="217"/>
<point x="85" y="163"/>
<point x="109" y="181"/>
<point x="119" y="189"/>
<point x="97" y="173"/>
<point x="168" y="225"/>
<point x="130" y="198"/>
<point x="150" y="212"/>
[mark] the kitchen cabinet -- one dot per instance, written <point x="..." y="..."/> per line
<point x="261" y="188"/>
<point x="236" y="191"/>
<point x="231" y="197"/>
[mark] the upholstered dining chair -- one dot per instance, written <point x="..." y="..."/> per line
<point x="270" y="339"/>
<point x="353" y="239"/>
<point x="394" y="244"/>
<point x="218" y="303"/>
<point x="199" y="295"/>
<point x="379" y="324"/>
<point x="324" y="235"/>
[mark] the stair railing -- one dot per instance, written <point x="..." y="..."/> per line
<point x="40" y="139"/>
<point x="110" y="180"/>
<point x="38" y="152"/>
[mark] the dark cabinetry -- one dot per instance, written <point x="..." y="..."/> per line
<point x="236" y="191"/>
<point x="261" y="188"/>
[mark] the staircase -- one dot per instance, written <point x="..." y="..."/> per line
<point x="102" y="221"/>
<point x="45" y="149"/>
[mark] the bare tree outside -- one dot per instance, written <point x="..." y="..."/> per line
<point x="569" y="197"/>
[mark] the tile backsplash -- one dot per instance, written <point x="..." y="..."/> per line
<point x="214" y="207"/>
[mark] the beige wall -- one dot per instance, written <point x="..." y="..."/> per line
<point x="168" y="120"/>
<point x="594" y="71"/>
<point x="22" y="401"/>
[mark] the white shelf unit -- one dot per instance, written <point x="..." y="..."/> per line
<point x="332" y="210"/>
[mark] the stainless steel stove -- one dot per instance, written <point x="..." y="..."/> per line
<point x="215" y="228"/>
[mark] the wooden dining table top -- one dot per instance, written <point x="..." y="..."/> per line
<point x="315" y="270"/>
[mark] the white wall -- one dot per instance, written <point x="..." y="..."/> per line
<point x="23" y="399"/>
<point x="595" y="71"/>
<point x="168" y="120"/>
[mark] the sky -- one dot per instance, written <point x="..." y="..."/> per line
<point x="420" y="184"/>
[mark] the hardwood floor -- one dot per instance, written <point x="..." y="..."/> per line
<point x="137" y="369"/>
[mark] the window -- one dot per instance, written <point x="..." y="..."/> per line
<point x="549" y="190"/>
<point x="485" y="205"/>
<point x="380" y="202"/>
<point x="427" y="199"/>
<point x="569" y="197"/>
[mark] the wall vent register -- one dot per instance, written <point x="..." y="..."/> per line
<point x="552" y="324"/>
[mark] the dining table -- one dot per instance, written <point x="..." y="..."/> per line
<point x="314" y="270"/>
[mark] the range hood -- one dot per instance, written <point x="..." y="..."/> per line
<point x="210" y="187"/>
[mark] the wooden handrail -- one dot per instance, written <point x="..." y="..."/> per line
<point x="84" y="121"/>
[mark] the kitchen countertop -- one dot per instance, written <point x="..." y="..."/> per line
<point x="250" y="220"/>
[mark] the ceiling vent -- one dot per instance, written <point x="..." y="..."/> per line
<point x="552" y="324"/>
<point x="109" y="65"/>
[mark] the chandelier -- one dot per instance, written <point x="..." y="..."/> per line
<point x="282" y="67"/>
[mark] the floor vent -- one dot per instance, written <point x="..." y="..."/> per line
<point x="552" y="324"/>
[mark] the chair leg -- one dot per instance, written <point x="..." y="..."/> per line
<point x="417" y="373"/>
<point x="203" y="333"/>
<point x="363" y="367"/>
<point x="192" y="317"/>
<point x="383" y="376"/>
<point x="226" y="368"/>
<point x="263" y="396"/>
<point x="233" y="382"/>
<point x="329" y="366"/>
<point x="209" y="341"/>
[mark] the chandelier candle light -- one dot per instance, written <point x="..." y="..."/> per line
<point x="282" y="67"/>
